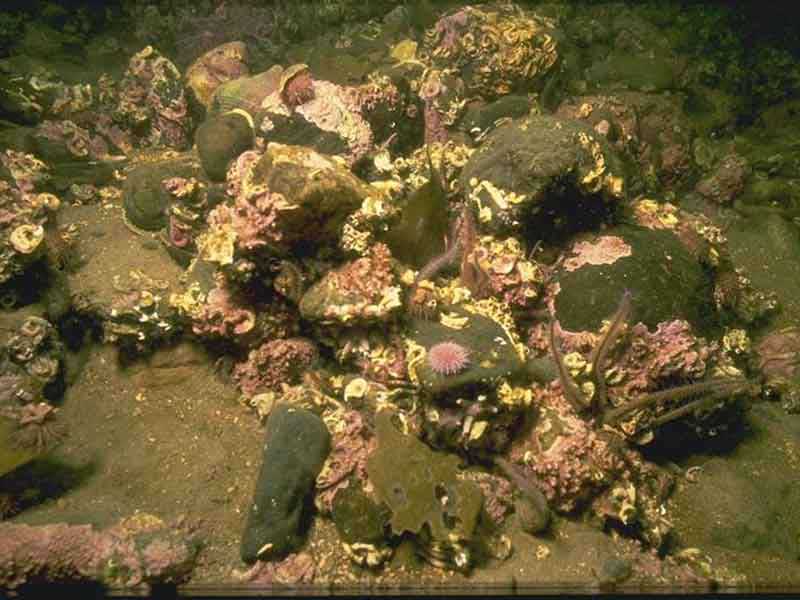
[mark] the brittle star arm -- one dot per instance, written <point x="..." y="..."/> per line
<point x="600" y="353"/>
<point x="719" y="387"/>
<point x="571" y="391"/>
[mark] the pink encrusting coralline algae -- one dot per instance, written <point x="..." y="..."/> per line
<point x="274" y="363"/>
<point x="144" y="551"/>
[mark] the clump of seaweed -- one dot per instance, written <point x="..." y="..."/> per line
<point x="459" y="246"/>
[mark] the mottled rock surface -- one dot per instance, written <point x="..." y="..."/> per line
<point x="511" y="174"/>
<point x="666" y="281"/>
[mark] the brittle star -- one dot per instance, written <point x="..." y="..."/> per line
<point x="711" y="390"/>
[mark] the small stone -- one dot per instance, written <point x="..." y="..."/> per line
<point x="614" y="570"/>
<point x="531" y="518"/>
<point x="358" y="519"/>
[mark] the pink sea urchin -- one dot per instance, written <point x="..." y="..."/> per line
<point x="448" y="358"/>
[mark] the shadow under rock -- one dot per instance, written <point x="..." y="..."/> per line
<point x="43" y="479"/>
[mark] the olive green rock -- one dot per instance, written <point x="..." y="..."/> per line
<point x="143" y="197"/>
<point x="246" y="93"/>
<point x="491" y="352"/>
<point x="358" y="518"/>
<point x="220" y="139"/>
<point x="485" y="116"/>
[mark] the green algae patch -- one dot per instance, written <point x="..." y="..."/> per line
<point x="419" y="236"/>
<point x="420" y="486"/>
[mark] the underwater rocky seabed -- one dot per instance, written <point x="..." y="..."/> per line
<point x="491" y="294"/>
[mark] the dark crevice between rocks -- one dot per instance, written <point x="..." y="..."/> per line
<point x="683" y="440"/>
<point x="564" y="212"/>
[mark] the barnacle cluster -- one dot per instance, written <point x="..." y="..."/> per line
<point x="151" y="95"/>
<point x="139" y="315"/>
<point x="187" y="211"/>
<point x="502" y="47"/>
<point x="31" y="363"/>
<point x="24" y="214"/>
<point x="326" y="105"/>
<point x="31" y="360"/>
<point x="511" y="275"/>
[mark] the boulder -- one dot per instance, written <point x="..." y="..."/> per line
<point x="296" y="445"/>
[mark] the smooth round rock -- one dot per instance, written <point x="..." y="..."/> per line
<point x="220" y="139"/>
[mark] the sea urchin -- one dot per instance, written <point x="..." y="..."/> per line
<point x="448" y="358"/>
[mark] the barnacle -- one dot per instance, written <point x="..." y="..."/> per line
<point x="25" y="239"/>
<point x="217" y="244"/>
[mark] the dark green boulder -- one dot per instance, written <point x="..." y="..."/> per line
<point x="491" y="352"/>
<point x="666" y="280"/>
<point x="296" y="445"/>
<point x="220" y="139"/>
